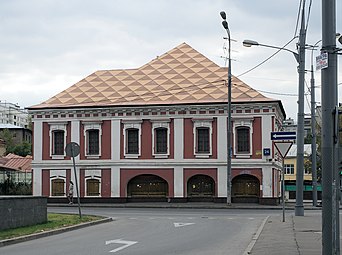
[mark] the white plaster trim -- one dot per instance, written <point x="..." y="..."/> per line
<point x="58" y="174"/>
<point x="92" y="174"/>
<point x="57" y="126"/>
<point x="240" y="122"/>
<point x="197" y="123"/>
<point x="37" y="182"/>
<point x="160" y="124"/>
<point x="90" y="125"/>
<point x="178" y="138"/>
<point x="115" y="181"/>
<point x="132" y="124"/>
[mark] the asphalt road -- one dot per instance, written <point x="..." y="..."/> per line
<point x="152" y="232"/>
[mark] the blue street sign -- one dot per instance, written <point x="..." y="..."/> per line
<point x="283" y="135"/>
<point x="267" y="151"/>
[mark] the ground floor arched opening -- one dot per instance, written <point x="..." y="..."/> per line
<point x="200" y="188"/>
<point x="147" y="186"/>
<point x="245" y="189"/>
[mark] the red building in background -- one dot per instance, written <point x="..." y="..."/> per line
<point x="158" y="132"/>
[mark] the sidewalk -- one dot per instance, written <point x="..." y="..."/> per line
<point x="297" y="235"/>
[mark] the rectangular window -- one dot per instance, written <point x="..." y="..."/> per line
<point x="57" y="187"/>
<point x="58" y="142"/>
<point x="93" y="187"/>
<point x="288" y="169"/>
<point x="161" y="140"/>
<point x="132" y="141"/>
<point x="93" y="142"/>
<point x="243" y="143"/>
<point x="203" y="145"/>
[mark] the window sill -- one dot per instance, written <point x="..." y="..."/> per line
<point x="161" y="155"/>
<point x="132" y="156"/>
<point x="202" y="155"/>
<point x="57" y="156"/>
<point x="92" y="156"/>
<point x="242" y="156"/>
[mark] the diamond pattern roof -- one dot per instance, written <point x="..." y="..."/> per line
<point x="180" y="76"/>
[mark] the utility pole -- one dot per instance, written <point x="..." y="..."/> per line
<point x="329" y="141"/>
<point x="313" y="134"/>
<point x="299" y="208"/>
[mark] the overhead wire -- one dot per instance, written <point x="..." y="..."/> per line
<point x="264" y="61"/>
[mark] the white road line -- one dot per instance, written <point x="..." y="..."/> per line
<point x="120" y="241"/>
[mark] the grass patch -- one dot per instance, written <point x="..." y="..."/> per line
<point x="55" y="221"/>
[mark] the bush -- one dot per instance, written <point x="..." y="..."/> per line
<point x="11" y="188"/>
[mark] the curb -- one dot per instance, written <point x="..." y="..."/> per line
<point x="182" y="206"/>
<point x="255" y="237"/>
<point x="51" y="232"/>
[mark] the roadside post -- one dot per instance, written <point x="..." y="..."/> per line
<point x="73" y="150"/>
<point x="283" y="142"/>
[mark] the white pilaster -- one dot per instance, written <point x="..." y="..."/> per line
<point x="178" y="182"/>
<point x="266" y="127"/>
<point x="115" y="141"/>
<point x="37" y="181"/>
<point x="222" y="181"/>
<point x="222" y="138"/>
<point x="75" y="135"/>
<point x="267" y="181"/>
<point x="38" y="140"/>
<point x="115" y="182"/>
<point x="178" y="139"/>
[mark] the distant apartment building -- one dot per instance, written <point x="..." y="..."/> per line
<point x="290" y="125"/>
<point x="12" y="114"/>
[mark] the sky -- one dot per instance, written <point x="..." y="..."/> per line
<point x="47" y="46"/>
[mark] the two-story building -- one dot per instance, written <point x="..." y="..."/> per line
<point x="158" y="132"/>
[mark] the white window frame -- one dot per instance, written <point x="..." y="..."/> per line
<point x="286" y="168"/>
<point x="56" y="126"/>
<point x="134" y="124"/>
<point x="97" y="125"/>
<point x="243" y="123"/>
<point x="160" y="124"/>
<point x="58" y="174"/>
<point x="92" y="174"/>
<point x="197" y="123"/>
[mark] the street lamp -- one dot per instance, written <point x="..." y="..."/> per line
<point x="250" y="43"/>
<point x="299" y="209"/>
<point x="229" y="124"/>
<point x="313" y="131"/>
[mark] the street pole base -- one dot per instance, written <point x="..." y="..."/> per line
<point x="299" y="210"/>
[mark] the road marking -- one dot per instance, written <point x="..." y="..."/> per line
<point x="180" y="224"/>
<point x="120" y="241"/>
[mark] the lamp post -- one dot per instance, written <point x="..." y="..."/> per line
<point x="229" y="124"/>
<point x="313" y="131"/>
<point x="299" y="209"/>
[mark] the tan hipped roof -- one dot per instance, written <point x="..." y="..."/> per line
<point x="180" y="76"/>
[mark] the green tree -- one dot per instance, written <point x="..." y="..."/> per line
<point x="7" y="136"/>
<point x="23" y="149"/>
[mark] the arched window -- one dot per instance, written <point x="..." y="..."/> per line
<point x="147" y="186"/>
<point x="201" y="186"/>
<point x="245" y="186"/>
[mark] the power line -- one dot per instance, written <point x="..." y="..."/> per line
<point x="264" y="61"/>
